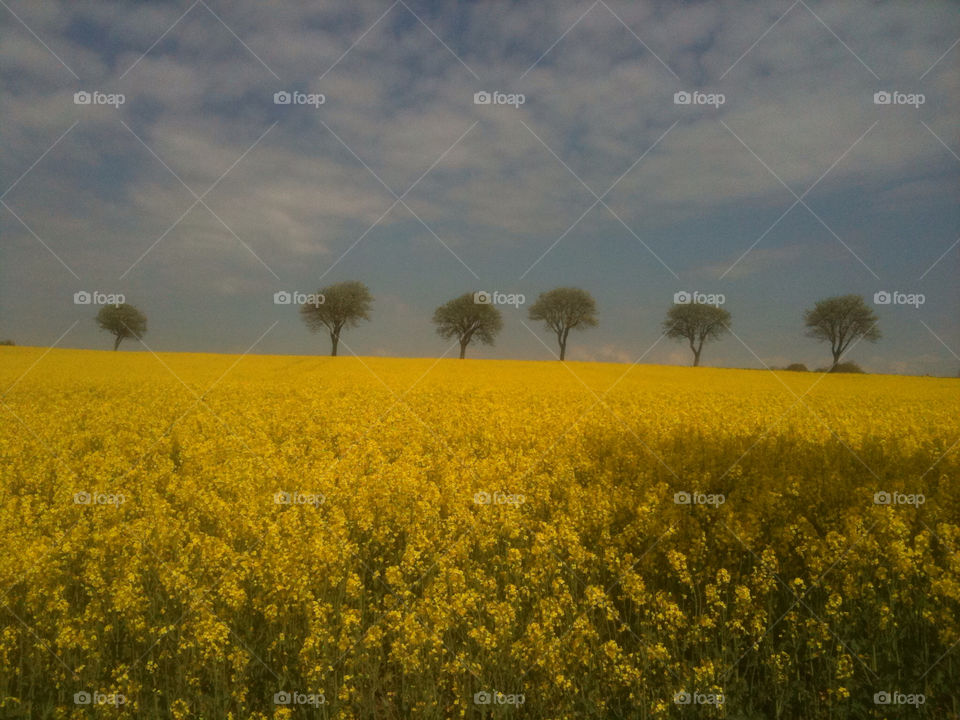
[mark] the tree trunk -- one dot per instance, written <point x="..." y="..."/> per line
<point x="334" y="342"/>
<point x="563" y="349"/>
<point x="463" y="348"/>
<point x="697" y="350"/>
<point x="836" y="359"/>
<point x="116" y="343"/>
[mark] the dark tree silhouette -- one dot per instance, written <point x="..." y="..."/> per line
<point x="696" y="323"/>
<point x="563" y="309"/>
<point x="841" y="320"/>
<point x="122" y="321"/>
<point x="467" y="320"/>
<point x="344" y="305"/>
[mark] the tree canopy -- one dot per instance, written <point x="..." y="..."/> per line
<point x="468" y="320"/>
<point x="344" y="305"/>
<point x="122" y="321"/>
<point x="564" y="309"/>
<point x="841" y="320"/>
<point x="696" y="323"/>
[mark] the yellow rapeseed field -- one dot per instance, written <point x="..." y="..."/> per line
<point x="210" y="536"/>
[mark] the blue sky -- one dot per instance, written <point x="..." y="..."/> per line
<point x="796" y="187"/>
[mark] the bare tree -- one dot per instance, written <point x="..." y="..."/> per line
<point x="696" y="323"/>
<point x="840" y="321"/>
<point x="123" y="321"/>
<point x="563" y="309"/>
<point x="466" y="319"/>
<point x="337" y="307"/>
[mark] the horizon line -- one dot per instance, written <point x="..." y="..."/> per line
<point x="453" y="359"/>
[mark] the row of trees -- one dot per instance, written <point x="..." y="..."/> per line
<point x="471" y="317"/>
<point x="560" y="310"/>
<point x="840" y="320"/>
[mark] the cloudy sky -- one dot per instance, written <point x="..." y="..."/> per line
<point x="199" y="196"/>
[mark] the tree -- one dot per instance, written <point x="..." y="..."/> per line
<point x="122" y="321"/>
<point x="342" y="305"/>
<point x="696" y="323"/>
<point x="841" y="320"/>
<point x="466" y="319"/>
<point x="563" y="309"/>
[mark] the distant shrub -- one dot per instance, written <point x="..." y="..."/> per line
<point x="797" y="367"/>
<point x="844" y="367"/>
<point x="7" y="342"/>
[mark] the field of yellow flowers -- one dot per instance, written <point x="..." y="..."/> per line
<point x="212" y="536"/>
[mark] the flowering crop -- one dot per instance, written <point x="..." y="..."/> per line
<point x="201" y="536"/>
